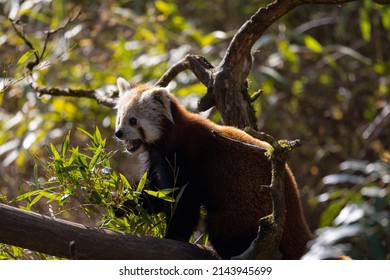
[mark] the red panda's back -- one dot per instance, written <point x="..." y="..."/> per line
<point x="235" y="199"/>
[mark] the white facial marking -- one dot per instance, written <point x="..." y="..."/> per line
<point x="141" y="116"/>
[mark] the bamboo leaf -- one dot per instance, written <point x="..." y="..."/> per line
<point x="85" y="132"/>
<point x="365" y="24"/>
<point x="25" y="195"/>
<point x="95" y="157"/>
<point x="125" y="182"/>
<point x="35" y="200"/>
<point x="65" y="145"/>
<point x="160" y="194"/>
<point x="54" y="152"/>
<point x="24" y="57"/>
<point x="312" y="44"/>
<point x="142" y="182"/>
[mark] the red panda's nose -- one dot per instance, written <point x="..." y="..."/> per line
<point x="119" y="134"/>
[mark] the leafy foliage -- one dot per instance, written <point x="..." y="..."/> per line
<point x="88" y="178"/>
<point x="357" y="214"/>
<point x="76" y="179"/>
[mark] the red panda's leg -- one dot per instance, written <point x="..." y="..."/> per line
<point x="185" y="217"/>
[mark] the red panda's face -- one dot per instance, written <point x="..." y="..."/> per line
<point x="141" y="112"/>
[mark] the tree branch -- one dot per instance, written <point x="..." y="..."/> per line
<point x="70" y="240"/>
<point x="84" y="93"/>
<point x="197" y="64"/>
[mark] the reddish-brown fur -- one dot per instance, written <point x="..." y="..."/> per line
<point x="226" y="178"/>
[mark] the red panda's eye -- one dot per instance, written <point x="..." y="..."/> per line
<point x="133" y="121"/>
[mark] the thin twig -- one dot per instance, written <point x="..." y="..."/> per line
<point x="54" y="31"/>
<point x="26" y="41"/>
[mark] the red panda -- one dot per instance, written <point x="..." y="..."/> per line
<point x="183" y="152"/>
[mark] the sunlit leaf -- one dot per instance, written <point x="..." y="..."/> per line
<point x="208" y="39"/>
<point x="54" y="152"/>
<point x="125" y="182"/>
<point x="85" y="132"/>
<point x="97" y="137"/>
<point x="96" y="157"/>
<point x="65" y="145"/>
<point x="365" y="24"/>
<point x="25" y="195"/>
<point x="25" y="57"/>
<point x="289" y="53"/>
<point x="312" y="44"/>
<point x="165" y="7"/>
<point x="142" y="182"/>
<point x="386" y="18"/>
<point x="163" y="194"/>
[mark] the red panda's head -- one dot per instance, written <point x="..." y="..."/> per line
<point x="141" y="114"/>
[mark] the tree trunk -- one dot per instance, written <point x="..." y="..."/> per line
<point x="75" y="241"/>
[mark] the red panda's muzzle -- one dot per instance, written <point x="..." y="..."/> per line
<point x="133" y="145"/>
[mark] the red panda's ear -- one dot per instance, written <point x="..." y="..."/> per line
<point x="161" y="96"/>
<point x="123" y="86"/>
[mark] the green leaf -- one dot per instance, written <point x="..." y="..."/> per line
<point x="142" y="182"/>
<point x="35" y="200"/>
<point x="70" y="168"/>
<point x="312" y="44"/>
<point x="54" y="152"/>
<point x="36" y="177"/>
<point x="332" y="211"/>
<point x="386" y="18"/>
<point x="180" y="193"/>
<point x="82" y="160"/>
<point x="85" y="132"/>
<point x="365" y="24"/>
<point x="75" y="154"/>
<point x="65" y="145"/>
<point x="97" y="137"/>
<point x="95" y="157"/>
<point x="25" y="195"/>
<point x="165" y="8"/>
<point x="161" y="195"/>
<point x="24" y="57"/>
<point x="125" y="182"/>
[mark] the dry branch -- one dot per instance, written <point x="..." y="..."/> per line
<point x="70" y="240"/>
